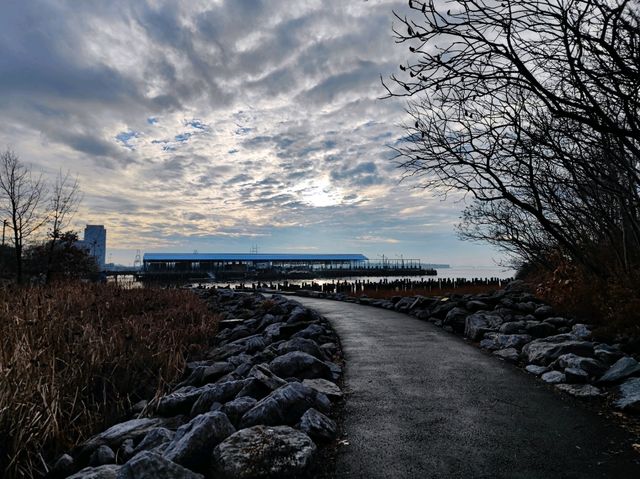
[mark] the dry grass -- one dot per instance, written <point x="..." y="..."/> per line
<point x="74" y="357"/>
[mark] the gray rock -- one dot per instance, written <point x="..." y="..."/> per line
<point x="310" y="332"/>
<point x="237" y="408"/>
<point x="285" y="406"/>
<point x="317" y="426"/>
<point x="101" y="456"/>
<point x="536" y="370"/>
<point x="581" y="331"/>
<point x="479" y="323"/>
<point x="592" y="366"/>
<point x="576" y="375"/>
<point x="109" y="471"/>
<point x="546" y="350"/>
<point x="262" y="373"/>
<point x="629" y="396"/>
<point x="114" y="436"/>
<point x="301" y="344"/>
<point x="476" y="305"/>
<point x="454" y="317"/>
<point x="300" y="365"/>
<point x="216" y="393"/>
<point x="553" y="377"/>
<point x="542" y="312"/>
<point x="192" y="443"/>
<point x="503" y="341"/>
<point x="155" y="441"/>
<point x="513" y="327"/>
<point x="264" y="452"/>
<point x="254" y="389"/>
<point x="559" y="322"/>
<point x="329" y="349"/>
<point x="150" y="465"/>
<point x="508" y="354"/>
<point x="621" y="369"/>
<point x="607" y="354"/>
<point x="63" y="467"/>
<point x="580" y="390"/>
<point x="540" y="329"/>
<point x="125" y="451"/>
<point x="329" y="389"/>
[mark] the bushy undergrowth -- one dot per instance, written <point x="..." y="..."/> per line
<point x="74" y="357"/>
<point x="612" y="303"/>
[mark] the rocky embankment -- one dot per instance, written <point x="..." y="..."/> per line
<point x="519" y="328"/>
<point x="259" y="405"/>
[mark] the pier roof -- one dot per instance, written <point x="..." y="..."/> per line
<point x="251" y="257"/>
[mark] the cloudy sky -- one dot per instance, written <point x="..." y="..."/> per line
<point x="218" y="125"/>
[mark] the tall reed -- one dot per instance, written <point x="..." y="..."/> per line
<point x="74" y="357"/>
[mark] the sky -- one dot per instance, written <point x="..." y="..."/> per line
<point x="217" y="126"/>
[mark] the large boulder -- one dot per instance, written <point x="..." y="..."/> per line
<point x="329" y="389"/>
<point x="510" y="355"/>
<point x="621" y="369"/>
<point x="192" y="443"/>
<point x="150" y="465"/>
<point x="553" y="377"/>
<point x="109" y="471"/>
<point x="263" y="452"/>
<point x="478" y="324"/>
<point x="216" y="393"/>
<point x="580" y="390"/>
<point x="285" y="406"/>
<point x="494" y="341"/>
<point x="455" y="318"/>
<point x="545" y="351"/>
<point x="300" y="365"/>
<point x="156" y="441"/>
<point x="592" y="366"/>
<point x="300" y="344"/>
<point x="114" y="436"/>
<point x="317" y="426"/>
<point x="263" y="374"/>
<point x="629" y="396"/>
<point x="237" y="408"/>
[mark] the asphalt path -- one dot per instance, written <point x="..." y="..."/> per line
<point x="422" y="403"/>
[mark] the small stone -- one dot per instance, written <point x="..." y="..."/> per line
<point x="508" y="354"/>
<point x="155" y="441"/>
<point x="543" y="312"/>
<point x="581" y="331"/>
<point x="580" y="390"/>
<point x="125" y="451"/>
<point x="101" y="456"/>
<point x="536" y="370"/>
<point x="317" y="426"/>
<point x="250" y="453"/>
<point x="553" y="377"/>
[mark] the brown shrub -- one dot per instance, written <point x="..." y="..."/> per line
<point x="74" y="357"/>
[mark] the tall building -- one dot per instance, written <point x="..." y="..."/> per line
<point x="95" y="241"/>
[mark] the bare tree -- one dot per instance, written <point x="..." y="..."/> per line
<point x="63" y="204"/>
<point x="21" y="200"/>
<point x="532" y="108"/>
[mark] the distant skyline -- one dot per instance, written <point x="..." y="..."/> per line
<point x="219" y="125"/>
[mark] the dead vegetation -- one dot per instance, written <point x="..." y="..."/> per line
<point x="74" y="357"/>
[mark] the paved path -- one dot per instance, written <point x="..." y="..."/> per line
<point x="424" y="404"/>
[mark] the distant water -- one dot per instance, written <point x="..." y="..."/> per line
<point x="470" y="272"/>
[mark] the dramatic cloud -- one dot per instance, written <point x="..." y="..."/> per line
<point x="215" y="125"/>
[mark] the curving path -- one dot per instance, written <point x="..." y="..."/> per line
<point x="424" y="404"/>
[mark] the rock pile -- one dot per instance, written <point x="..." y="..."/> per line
<point x="257" y="407"/>
<point x="519" y="328"/>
